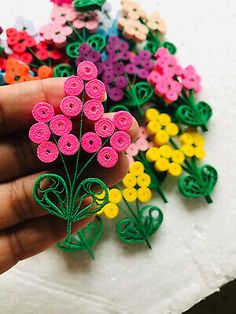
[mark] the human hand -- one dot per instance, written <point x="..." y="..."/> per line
<point x="25" y="228"/>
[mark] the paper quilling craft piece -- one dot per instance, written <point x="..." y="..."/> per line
<point x="123" y="66"/>
<point x="61" y="135"/>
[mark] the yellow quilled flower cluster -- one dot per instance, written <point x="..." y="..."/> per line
<point x="137" y="184"/>
<point x="166" y="158"/>
<point x="111" y="209"/>
<point x="160" y="126"/>
<point x="192" y="143"/>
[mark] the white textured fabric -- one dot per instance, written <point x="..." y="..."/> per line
<point x="194" y="252"/>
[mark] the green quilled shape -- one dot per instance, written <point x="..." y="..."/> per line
<point x="200" y="184"/>
<point x="139" y="94"/>
<point x="51" y="192"/>
<point x="194" y="114"/>
<point x="152" y="46"/>
<point x="63" y="70"/>
<point x="170" y="47"/>
<point x="84" y="239"/>
<point x="88" y="5"/>
<point x="118" y="108"/>
<point x="72" y="50"/>
<point x="97" y="42"/>
<point x="131" y="230"/>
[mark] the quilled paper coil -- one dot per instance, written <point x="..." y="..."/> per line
<point x="68" y="144"/>
<point x="39" y="133"/>
<point x="93" y="109"/>
<point x="43" y="112"/>
<point x="60" y="125"/>
<point x="47" y="152"/>
<point x="95" y="89"/>
<point x="107" y="157"/>
<point x="123" y="120"/>
<point x="87" y="71"/>
<point x="71" y="106"/>
<point x="120" y="141"/>
<point x="104" y="127"/>
<point x="74" y="86"/>
<point x="91" y="142"/>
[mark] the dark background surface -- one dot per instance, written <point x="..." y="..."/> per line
<point x="223" y="302"/>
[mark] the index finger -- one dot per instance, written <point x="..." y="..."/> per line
<point x="17" y="102"/>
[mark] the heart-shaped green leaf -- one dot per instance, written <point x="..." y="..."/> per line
<point x="201" y="184"/>
<point x="97" y="42"/>
<point x="63" y="70"/>
<point x="140" y="93"/>
<point x="84" y="239"/>
<point x="194" y="115"/>
<point x="170" y="47"/>
<point x="131" y="230"/>
<point x="72" y="50"/>
<point x="88" y="5"/>
<point x="87" y="190"/>
<point x="51" y="193"/>
<point x="118" y="108"/>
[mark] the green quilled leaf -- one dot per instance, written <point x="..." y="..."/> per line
<point x="85" y="239"/>
<point x="153" y="46"/>
<point x="202" y="184"/>
<point x="51" y="193"/>
<point x="88" y="5"/>
<point x="170" y="47"/>
<point x="72" y="49"/>
<point x="88" y="188"/>
<point x="140" y="93"/>
<point x="194" y="115"/>
<point x="131" y="230"/>
<point x="97" y="42"/>
<point x="63" y="70"/>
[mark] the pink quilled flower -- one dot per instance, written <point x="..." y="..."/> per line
<point x="141" y="144"/>
<point x="191" y="80"/>
<point x="47" y="152"/>
<point x="62" y="14"/>
<point x="167" y="64"/>
<point x="168" y="88"/>
<point x="61" y="2"/>
<point x="88" y="20"/>
<point x="56" y="33"/>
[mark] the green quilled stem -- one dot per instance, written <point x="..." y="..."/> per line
<point x="76" y="32"/>
<point x="33" y="54"/>
<point x="139" y="223"/>
<point x="86" y="245"/>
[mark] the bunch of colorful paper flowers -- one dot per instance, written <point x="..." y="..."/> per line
<point x="123" y="66"/>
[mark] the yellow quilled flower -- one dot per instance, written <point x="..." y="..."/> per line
<point x="111" y="209"/>
<point x="160" y="126"/>
<point x="192" y="144"/>
<point x="115" y="196"/>
<point x="166" y="158"/>
<point x="137" y="184"/>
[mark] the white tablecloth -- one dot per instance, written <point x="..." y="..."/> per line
<point x="194" y="252"/>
